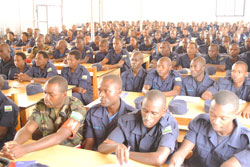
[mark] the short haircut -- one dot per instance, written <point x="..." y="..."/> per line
<point x="199" y="59"/>
<point x="193" y="43"/>
<point x="153" y="95"/>
<point x="81" y="38"/>
<point x="76" y="53"/>
<point x="104" y="42"/>
<point x="115" y="79"/>
<point x="241" y="62"/>
<point x="6" y="46"/>
<point x="45" y="55"/>
<point x="23" y="55"/>
<point x="1" y="82"/>
<point x="166" y="59"/>
<point x="166" y="43"/>
<point x="119" y="39"/>
<point x="226" y="97"/>
<point x="25" y="33"/>
<point x="214" y="45"/>
<point x="139" y="54"/>
<point x="60" y="81"/>
<point x="11" y="33"/>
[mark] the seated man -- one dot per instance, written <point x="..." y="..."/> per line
<point x="133" y="80"/>
<point x="6" y="62"/>
<point x="104" y="48"/>
<point x="95" y="45"/>
<point x="23" y="42"/>
<point x="102" y="118"/>
<point x="215" y="60"/>
<point x="78" y="75"/>
<point x="58" y="118"/>
<point x="238" y="84"/>
<point x="233" y="56"/>
<point x="40" y="45"/>
<point x="133" y="45"/>
<point x="20" y="66"/>
<point x="246" y="47"/>
<point x="40" y="71"/>
<point x="117" y="57"/>
<point x="147" y="136"/>
<point x="164" y="51"/>
<point x="198" y="82"/>
<point x="217" y="138"/>
<point x="163" y="78"/>
<point x="184" y="60"/>
<point x="8" y="117"/>
<point x="147" y="46"/>
<point x="60" y="52"/>
<point x="86" y="51"/>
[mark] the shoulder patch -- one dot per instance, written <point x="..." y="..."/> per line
<point x="84" y="77"/>
<point x="88" y="51"/>
<point x="7" y="108"/>
<point x="77" y="116"/>
<point x="166" y="130"/>
<point x="178" y="79"/>
<point x="222" y="58"/>
<point x="124" y="56"/>
<point x="49" y="69"/>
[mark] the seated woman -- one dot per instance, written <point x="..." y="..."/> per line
<point x="20" y="66"/>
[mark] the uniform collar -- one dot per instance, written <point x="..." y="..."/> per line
<point x="206" y="79"/>
<point x="121" y="110"/>
<point x="140" y="73"/>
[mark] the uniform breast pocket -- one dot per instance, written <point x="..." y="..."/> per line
<point x="99" y="131"/>
<point x="203" y="152"/>
<point x="75" y="80"/>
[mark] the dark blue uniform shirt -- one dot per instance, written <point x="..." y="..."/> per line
<point x="37" y="72"/>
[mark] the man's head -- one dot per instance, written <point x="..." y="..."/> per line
<point x="19" y="59"/>
<point x="97" y="40"/>
<point x="147" y="41"/>
<point x="247" y="43"/>
<point x="40" y="41"/>
<point x="153" y="108"/>
<point x="239" y="72"/>
<point x="117" y="44"/>
<point x="223" y="110"/>
<point x="213" y="51"/>
<point x="110" y="89"/>
<point x="234" y="50"/>
<point x="41" y="58"/>
<point x="73" y="58"/>
<point x="191" y="48"/>
<point x="55" y="92"/>
<point x="197" y="66"/>
<point x="79" y="42"/>
<point x="1" y="82"/>
<point x="136" y="61"/>
<point x="4" y="51"/>
<point x="104" y="46"/>
<point x="164" y="65"/>
<point x="164" y="49"/>
<point x="24" y="36"/>
<point x="62" y="44"/>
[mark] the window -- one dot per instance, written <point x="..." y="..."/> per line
<point x="230" y="8"/>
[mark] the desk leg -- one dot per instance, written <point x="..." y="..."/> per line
<point x="23" y="116"/>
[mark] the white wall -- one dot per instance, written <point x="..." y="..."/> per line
<point x="18" y="14"/>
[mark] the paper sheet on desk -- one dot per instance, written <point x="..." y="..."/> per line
<point x="97" y="101"/>
<point x="189" y="99"/>
<point x="242" y="101"/>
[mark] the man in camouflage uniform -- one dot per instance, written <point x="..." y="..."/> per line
<point x="58" y="117"/>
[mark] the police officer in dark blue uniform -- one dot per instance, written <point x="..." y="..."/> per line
<point x="86" y="51"/>
<point x="233" y="56"/>
<point x="133" y="80"/>
<point x="215" y="60"/>
<point x="163" y="79"/>
<point x="117" y="57"/>
<point x="103" y="50"/>
<point x="198" y="82"/>
<point x="41" y="70"/>
<point x="238" y="84"/>
<point x="8" y="117"/>
<point x="6" y="61"/>
<point x="20" y="65"/>
<point x="217" y="138"/>
<point x="61" y="51"/>
<point x="147" y="136"/>
<point x="78" y="75"/>
<point x="102" y="118"/>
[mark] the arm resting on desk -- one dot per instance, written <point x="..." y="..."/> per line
<point x="89" y="144"/>
<point x="178" y="157"/>
<point x="246" y="112"/>
<point x="118" y="65"/>
<point x="207" y="95"/>
<point x="145" y="89"/>
<point x="219" y="67"/>
<point x="122" y="153"/>
<point x="176" y="91"/>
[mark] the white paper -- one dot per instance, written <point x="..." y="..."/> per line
<point x="189" y="99"/>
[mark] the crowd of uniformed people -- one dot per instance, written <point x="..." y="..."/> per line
<point x="148" y="134"/>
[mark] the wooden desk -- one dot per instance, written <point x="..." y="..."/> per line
<point x="63" y="156"/>
<point x="215" y="76"/>
<point x="23" y="100"/>
<point x="194" y="109"/>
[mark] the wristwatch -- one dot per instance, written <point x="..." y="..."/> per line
<point x="32" y="80"/>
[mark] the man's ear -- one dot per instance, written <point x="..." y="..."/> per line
<point x="247" y="73"/>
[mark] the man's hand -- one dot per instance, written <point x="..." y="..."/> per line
<point x="104" y="68"/>
<point x="23" y="77"/>
<point x="13" y="150"/>
<point x="122" y="154"/>
<point x="246" y="113"/>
